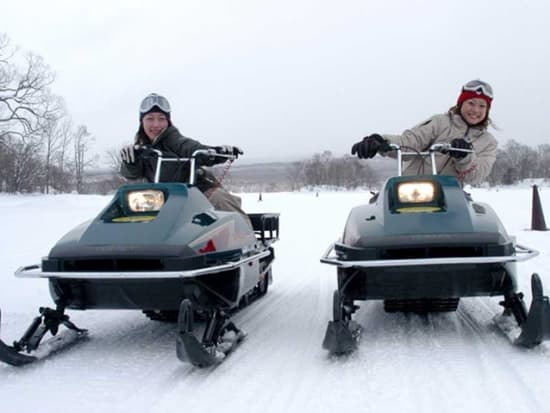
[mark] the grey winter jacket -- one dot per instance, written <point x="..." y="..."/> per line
<point x="442" y="128"/>
<point x="172" y="142"/>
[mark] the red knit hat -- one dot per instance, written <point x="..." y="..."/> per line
<point x="476" y="89"/>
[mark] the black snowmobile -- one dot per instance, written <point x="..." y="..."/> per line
<point x="161" y="248"/>
<point x="422" y="243"/>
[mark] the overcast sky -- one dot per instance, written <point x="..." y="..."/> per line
<point x="286" y="79"/>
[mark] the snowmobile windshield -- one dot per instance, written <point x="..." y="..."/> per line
<point x="479" y="86"/>
<point x="153" y="100"/>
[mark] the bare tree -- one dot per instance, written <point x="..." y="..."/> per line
<point x="82" y="141"/>
<point x="543" y="161"/>
<point x="54" y="134"/>
<point x="517" y="161"/>
<point x="342" y="172"/>
<point x="26" y="108"/>
<point x="62" y="170"/>
<point x="113" y="179"/>
<point x="113" y="160"/>
<point x="25" y="98"/>
<point x="22" y="167"/>
<point x="295" y="175"/>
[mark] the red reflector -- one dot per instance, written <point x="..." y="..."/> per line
<point x="209" y="247"/>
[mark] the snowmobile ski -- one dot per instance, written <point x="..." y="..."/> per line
<point x="342" y="337"/>
<point x="530" y="328"/>
<point x="220" y="337"/>
<point x="30" y="347"/>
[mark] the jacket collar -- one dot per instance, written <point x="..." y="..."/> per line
<point x="460" y="123"/>
<point x="166" y="132"/>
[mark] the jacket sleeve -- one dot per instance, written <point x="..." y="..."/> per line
<point x="419" y="137"/>
<point x="474" y="168"/>
<point x="184" y="147"/>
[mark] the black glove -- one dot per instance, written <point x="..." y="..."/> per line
<point x="369" y="146"/>
<point x="127" y="154"/>
<point x="459" y="143"/>
<point x="229" y="150"/>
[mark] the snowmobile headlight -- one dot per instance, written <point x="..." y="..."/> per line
<point x="146" y="200"/>
<point x="415" y="192"/>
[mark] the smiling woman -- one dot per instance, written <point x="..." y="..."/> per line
<point x="156" y="130"/>
<point x="464" y="127"/>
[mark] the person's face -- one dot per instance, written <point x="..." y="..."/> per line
<point x="153" y="124"/>
<point x="474" y="111"/>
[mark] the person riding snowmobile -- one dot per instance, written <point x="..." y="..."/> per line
<point x="156" y="129"/>
<point x="464" y="126"/>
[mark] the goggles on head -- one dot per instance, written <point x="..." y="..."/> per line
<point x="480" y="87"/>
<point x="153" y="100"/>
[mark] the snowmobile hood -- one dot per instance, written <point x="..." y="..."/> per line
<point x="448" y="217"/>
<point x="185" y="218"/>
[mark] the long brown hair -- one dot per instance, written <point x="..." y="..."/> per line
<point x="141" y="138"/>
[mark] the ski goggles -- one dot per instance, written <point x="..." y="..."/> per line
<point x="153" y="100"/>
<point x="478" y="86"/>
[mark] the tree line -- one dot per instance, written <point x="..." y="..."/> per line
<point x="516" y="161"/>
<point x="323" y="169"/>
<point x="42" y="151"/>
<point x="40" y="148"/>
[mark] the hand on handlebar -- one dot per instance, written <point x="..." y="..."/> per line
<point x="369" y="146"/>
<point x="464" y="148"/>
<point x="229" y="150"/>
<point x="127" y="154"/>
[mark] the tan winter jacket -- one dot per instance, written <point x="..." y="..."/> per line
<point x="442" y="128"/>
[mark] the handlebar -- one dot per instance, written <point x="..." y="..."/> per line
<point x="432" y="150"/>
<point x="147" y="151"/>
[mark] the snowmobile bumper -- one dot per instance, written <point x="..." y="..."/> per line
<point x="215" y="285"/>
<point x="521" y="253"/>
<point x="35" y="271"/>
<point x="426" y="277"/>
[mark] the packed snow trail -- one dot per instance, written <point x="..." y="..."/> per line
<point x="450" y="362"/>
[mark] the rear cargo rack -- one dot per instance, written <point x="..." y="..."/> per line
<point x="266" y="226"/>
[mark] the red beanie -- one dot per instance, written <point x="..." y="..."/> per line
<point x="470" y="94"/>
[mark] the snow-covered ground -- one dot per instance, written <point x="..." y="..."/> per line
<point x="453" y="362"/>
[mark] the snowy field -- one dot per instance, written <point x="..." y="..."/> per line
<point x="452" y="362"/>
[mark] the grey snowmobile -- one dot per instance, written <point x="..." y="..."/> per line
<point x="161" y="248"/>
<point x="420" y="245"/>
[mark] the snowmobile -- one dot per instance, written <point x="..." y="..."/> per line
<point x="161" y="248"/>
<point x="420" y="245"/>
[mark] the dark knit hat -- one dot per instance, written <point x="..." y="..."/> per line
<point x="476" y="89"/>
